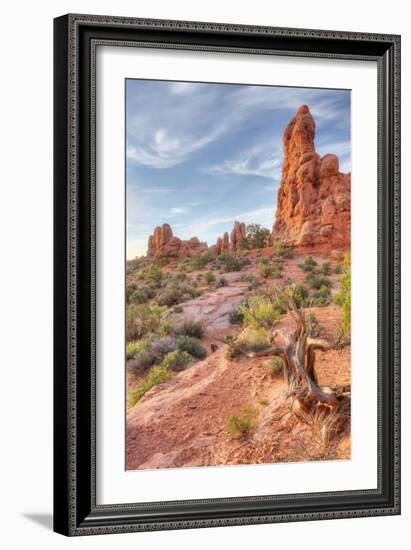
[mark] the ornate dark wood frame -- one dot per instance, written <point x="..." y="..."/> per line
<point x="76" y="38"/>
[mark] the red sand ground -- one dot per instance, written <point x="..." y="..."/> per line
<point x="183" y="422"/>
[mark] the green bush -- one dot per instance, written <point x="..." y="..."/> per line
<point x="308" y="264"/>
<point x="141" y="320"/>
<point x="130" y="291"/>
<point x="326" y="268"/>
<point x="256" y="235"/>
<point x="176" y="360"/>
<point x="157" y="375"/>
<point x="275" y="367"/>
<point x="221" y="281"/>
<point x="266" y="271"/>
<point x="236" y="316"/>
<point x="199" y="261"/>
<point x="192" y="346"/>
<point x="252" y="281"/>
<point x="152" y="273"/>
<point x="209" y="277"/>
<point x="161" y="261"/>
<point x="316" y="280"/>
<point x="152" y="353"/>
<point x="321" y="298"/>
<point x="253" y="342"/>
<point x="260" y="308"/>
<point x="142" y="295"/>
<point x="174" y="293"/>
<point x="190" y="327"/>
<point x="343" y="296"/>
<point x="243" y="422"/>
<point x="229" y="262"/>
<point x="282" y="250"/>
<point x="134" y="348"/>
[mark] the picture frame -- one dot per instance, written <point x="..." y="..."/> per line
<point x="76" y="38"/>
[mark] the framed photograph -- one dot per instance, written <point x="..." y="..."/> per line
<point x="227" y="278"/>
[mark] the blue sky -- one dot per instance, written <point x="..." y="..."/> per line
<point x="200" y="156"/>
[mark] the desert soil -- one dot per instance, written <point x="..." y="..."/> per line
<point x="183" y="422"/>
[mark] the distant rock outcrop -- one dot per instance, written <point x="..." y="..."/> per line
<point x="163" y="243"/>
<point x="232" y="242"/>
<point x="313" y="206"/>
<point x="238" y="234"/>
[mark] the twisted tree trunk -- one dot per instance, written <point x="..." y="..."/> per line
<point x="297" y="350"/>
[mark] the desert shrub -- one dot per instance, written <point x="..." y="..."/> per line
<point x="190" y="327"/>
<point x="243" y="245"/>
<point x="282" y="250"/>
<point x="252" y="281"/>
<point x="251" y="342"/>
<point x="182" y="267"/>
<point x="321" y="298"/>
<point x="161" y="261"/>
<point x="256" y="235"/>
<point x="157" y="375"/>
<point x="179" y="277"/>
<point x="236" y="316"/>
<point x="262" y="260"/>
<point x="156" y="347"/>
<point x="134" y="348"/>
<point x="152" y="273"/>
<point x="308" y="264"/>
<point x="254" y="340"/>
<point x="192" y="346"/>
<point x="209" y="277"/>
<point x="260" y="309"/>
<point x="230" y="263"/>
<point x="343" y="296"/>
<point x="339" y="268"/>
<point x="141" y="320"/>
<point x="132" y="266"/>
<point x="175" y="292"/>
<point x="242" y="422"/>
<point x="178" y="309"/>
<point x="265" y="271"/>
<point x="130" y="289"/>
<point x="326" y="268"/>
<point x="161" y="345"/>
<point x="142" y="295"/>
<point x="316" y="280"/>
<point x="275" y="367"/>
<point x="197" y="292"/>
<point x="176" y="360"/>
<point x="221" y="281"/>
<point x="199" y="261"/>
<point x="142" y="361"/>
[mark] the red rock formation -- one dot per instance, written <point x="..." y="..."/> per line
<point x="313" y="206"/>
<point x="232" y="242"/>
<point x="163" y="243"/>
<point x="237" y="235"/>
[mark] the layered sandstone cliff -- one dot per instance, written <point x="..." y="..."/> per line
<point x="313" y="206"/>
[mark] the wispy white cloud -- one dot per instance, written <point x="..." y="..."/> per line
<point x="164" y="150"/>
<point x="261" y="160"/>
<point x="179" y="210"/>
